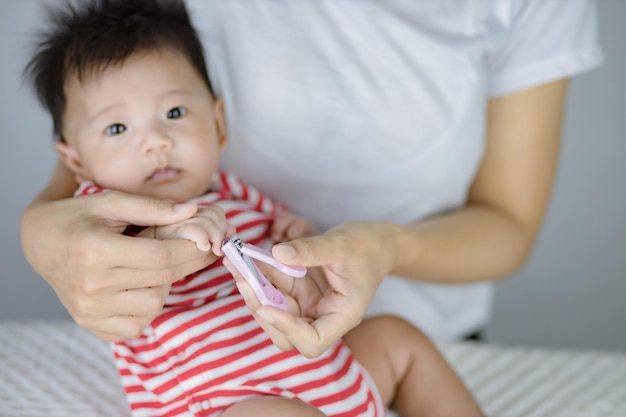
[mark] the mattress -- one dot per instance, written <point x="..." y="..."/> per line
<point x="56" y="369"/>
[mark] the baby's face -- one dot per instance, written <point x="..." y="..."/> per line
<point x="148" y="126"/>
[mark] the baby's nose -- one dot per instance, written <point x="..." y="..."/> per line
<point x="156" y="141"/>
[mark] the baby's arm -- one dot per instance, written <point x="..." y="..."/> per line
<point x="287" y="226"/>
<point x="208" y="228"/>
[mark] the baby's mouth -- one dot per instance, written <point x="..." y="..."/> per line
<point x="163" y="174"/>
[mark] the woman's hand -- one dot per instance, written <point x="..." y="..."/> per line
<point x="345" y="264"/>
<point x="111" y="284"/>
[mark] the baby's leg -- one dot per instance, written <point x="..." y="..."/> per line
<point x="268" y="406"/>
<point x="410" y="373"/>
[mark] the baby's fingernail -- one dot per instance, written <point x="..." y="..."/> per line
<point x="243" y="291"/>
<point x="266" y="316"/>
<point x="285" y="251"/>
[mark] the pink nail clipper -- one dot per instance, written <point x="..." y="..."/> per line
<point x="239" y="253"/>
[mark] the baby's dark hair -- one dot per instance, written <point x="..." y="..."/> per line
<point x="88" y="36"/>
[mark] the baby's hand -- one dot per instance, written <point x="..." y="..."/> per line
<point x="288" y="226"/>
<point x="208" y="228"/>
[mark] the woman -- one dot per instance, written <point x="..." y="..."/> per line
<point x="422" y="138"/>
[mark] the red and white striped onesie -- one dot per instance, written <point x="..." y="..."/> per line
<point x="205" y="351"/>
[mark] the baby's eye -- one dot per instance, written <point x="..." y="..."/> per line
<point x="176" y="112"/>
<point x="115" y="129"/>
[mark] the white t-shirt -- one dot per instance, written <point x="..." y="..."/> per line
<point x="374" y="110"/>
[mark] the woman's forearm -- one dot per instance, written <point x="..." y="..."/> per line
<point x="493" y="235"/>
<point x="61" y="185"/>
<point x="476" y="243"/>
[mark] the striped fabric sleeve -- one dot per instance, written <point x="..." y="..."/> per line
<point x="88" y="187"/>
<point x="252" y="195"/>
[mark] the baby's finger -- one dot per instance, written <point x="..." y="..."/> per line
<point x="279" y="227"/>
<point x="298" y="229"/>
<point x="214" y="213"/>
<point x="197" y="234"/>
<point x="216" y="235"/>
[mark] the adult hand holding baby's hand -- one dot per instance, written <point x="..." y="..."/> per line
<point x="111" y="284"/>
<point x="207" y="229"/>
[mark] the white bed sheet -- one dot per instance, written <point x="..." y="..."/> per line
<point x="56" y="369"/>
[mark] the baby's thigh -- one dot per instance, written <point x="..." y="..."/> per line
<point x="268" y="406"/>
<point x="385" y="346"/>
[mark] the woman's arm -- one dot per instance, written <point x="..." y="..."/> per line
<point x="61" y="185"/>
<point x="493" y="234"/>
<point x="486" y="240"/>
<point x="112" y="284"/>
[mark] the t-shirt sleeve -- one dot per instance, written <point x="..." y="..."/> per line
<point x="548" y="40"/>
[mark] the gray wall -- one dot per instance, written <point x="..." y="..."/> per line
<point x="570" y="294"/>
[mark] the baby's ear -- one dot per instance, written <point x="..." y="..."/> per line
<point x="71" y="159"/>
<point x="220" y="121"/>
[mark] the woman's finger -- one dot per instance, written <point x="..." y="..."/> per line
<point x="123" y="315"/>
<point x="116" y="207"/>
<point x="119" y="328"/>
<point x="134" y="302"/>
<point x="153" y="262"/>
<point x="308" y="251"/>
<point x="253" y="304"/>
<point x="309" y="338"/>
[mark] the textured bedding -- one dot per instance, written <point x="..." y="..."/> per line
<point x="56" y="369"/>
